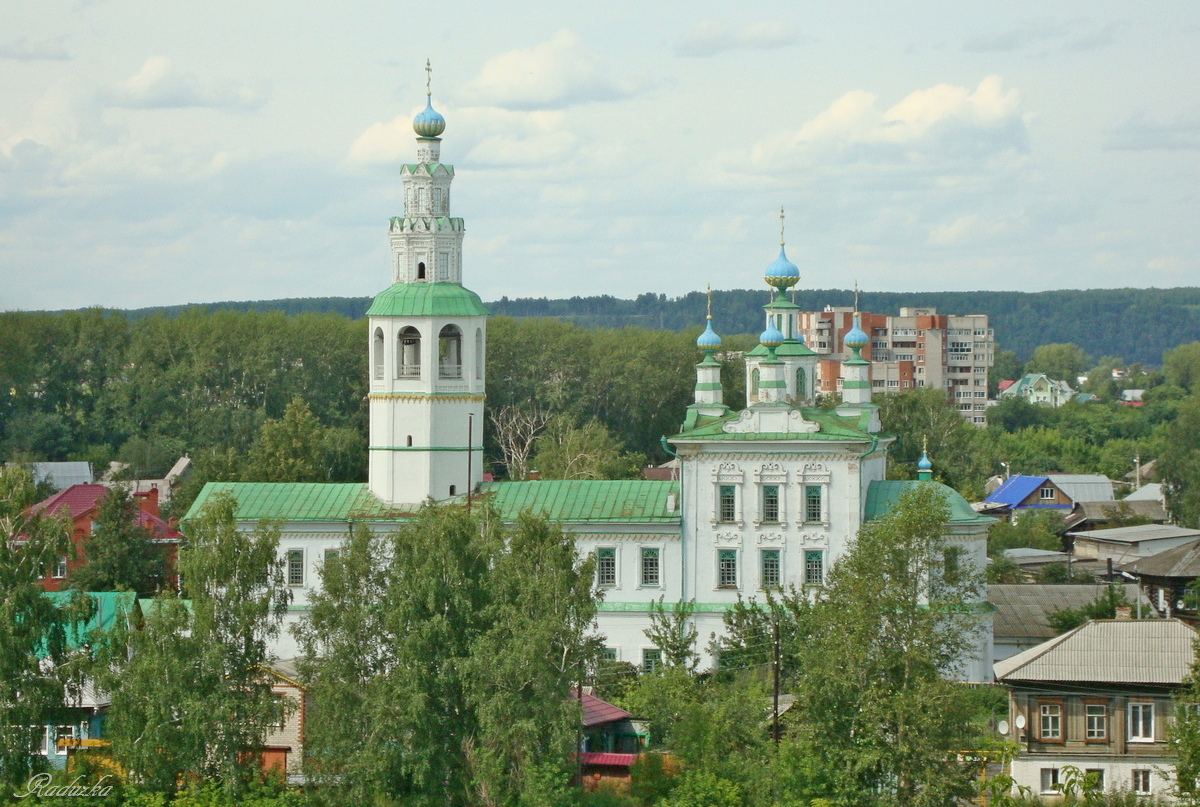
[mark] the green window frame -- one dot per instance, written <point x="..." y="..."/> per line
<point x="727" y="503"/>
<point x="770" y="504"/>
<point x="606" y="566"/>
<point x="814" y="567"/>
<point x="813" y="511"/>
<point x="726" y="568"/>
<point x="650" y="567"/>
<point x="651" y="660"/>
<point x="770" y="568"/>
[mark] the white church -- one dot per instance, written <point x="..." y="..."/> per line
<point x="767" y="498"/>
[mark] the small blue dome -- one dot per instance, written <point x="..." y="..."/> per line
<point x="709" y="339"/>
<point x="428" y="122"/>
<point x="782" y="273"/>
<point x="771" y="337"/>
<point x="924" y="464"/>
<point x="856" y="338"/>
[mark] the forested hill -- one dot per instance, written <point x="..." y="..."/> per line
<point x="1136" y="325"/>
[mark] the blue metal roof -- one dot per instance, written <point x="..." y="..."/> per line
<point x="1015" y="489"/>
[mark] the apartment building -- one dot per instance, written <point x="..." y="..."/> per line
<point x="917" y="348"/>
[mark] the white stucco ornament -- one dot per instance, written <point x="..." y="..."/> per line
<point x="776" y="420"/>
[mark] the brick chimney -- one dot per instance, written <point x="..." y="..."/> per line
<point x="1124" y="613"/>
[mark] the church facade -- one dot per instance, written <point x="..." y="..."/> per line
<point x="768" y="498"/>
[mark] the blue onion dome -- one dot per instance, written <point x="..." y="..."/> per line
<point x="782" y="273"/>
<point x="924" y="464"/>
<point x="428" y="122"/>
<point x="709" y="339"/>
<point x="771" y="337"/>
<point x="856" y="338"/>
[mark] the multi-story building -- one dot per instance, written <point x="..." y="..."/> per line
<point x="918" y="348"/>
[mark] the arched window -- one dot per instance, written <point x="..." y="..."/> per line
<point x="421" y="270"/>
<point x="410" y="441"/>
<point x="800" y="390"/>
<point x="754" y="382"/>
<point x="479" y="354"/>
<point x="408" y="354"/>
<point x="450" y="352"/>
<point x="377" y="352"/>
<point x="453" y="489"/>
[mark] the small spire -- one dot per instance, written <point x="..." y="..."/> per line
<point x="781" y="225"/>
<point x="708" y="291"/>
<point x="428" y="79"/>
<point x="925" y="444"/>
<point x="856" y="295"/>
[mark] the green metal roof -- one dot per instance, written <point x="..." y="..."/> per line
<point x="574" y="500"/>
<point x="431" y="168"/>
<point x="882" y="495"/>
<point x="108" y="605"/>
<point x="427" y="300"/>
<point x="298" y="501"/>
<point x="832" y="427"/>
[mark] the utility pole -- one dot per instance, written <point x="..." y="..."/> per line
<point x="775" y="675"/>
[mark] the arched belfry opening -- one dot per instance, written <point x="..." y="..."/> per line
<point x="408" y="354"/>
<point x="421" y="270"/>
<point x="450" y="352"/>
<point x="479" y="354"/>
<point x="377" y="353"/>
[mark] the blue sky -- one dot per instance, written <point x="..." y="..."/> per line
<point x="162" y="153"/>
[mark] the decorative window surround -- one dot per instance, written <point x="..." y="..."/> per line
<point x="771" y="474"/>
<point x="729" y="474"/>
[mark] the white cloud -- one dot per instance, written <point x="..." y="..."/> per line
<point x="511" y="139"/>
<point x="1140" y="134"/>
<point x="158" y="85"/>
<point x="968" y="228"/>
<point x="709" y="38"/>
<point x="554" y="74"/>
<point x="1164" y="262"/>
<point x="941" y="123"/>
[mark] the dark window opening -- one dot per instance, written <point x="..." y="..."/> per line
<point x="421" y="270"/>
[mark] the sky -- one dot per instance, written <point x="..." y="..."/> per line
<point x="157" y="153"/>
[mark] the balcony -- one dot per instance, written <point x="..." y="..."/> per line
<point x="450" y="371"/>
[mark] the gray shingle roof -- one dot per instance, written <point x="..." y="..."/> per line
<point x="1179" y="561"/>
<point x="1021" y="610"/>
<point x="1084" y="487"/>
<point x="1133" y="535"/>
<point x="1109" y="651"/>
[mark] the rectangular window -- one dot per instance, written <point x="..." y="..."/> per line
<point x="1049" y="780"/>
<point x="770" y="503"/>
<point x="1141" y="722"/>
<point x="60" y="569"/>
<point x="295" y="567"/>
<point x="770" y="568"/>
<point x="728" y="504"/>
<point x="649" y="567"/>
<point x="651" y="660"/>
<point x="1050" y="722"/>
<point x="726" y="568"/>
<point x="606" y="566"/>
<point x="1096" y="722"/>
<point x="1141" y="782"/>
<point x="332" y="553"/>
<point x="812" y="504"/>
<point x="608" y="654"/>
<point x="41" y="739"/>
<point x="277" y="698"/>
<point x="814" y="567"/>
<point x="1046" y="493"/>
<point x="1094" y="778"/>
<point x="62" y="733"/>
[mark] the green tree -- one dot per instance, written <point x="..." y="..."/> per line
<point x="567" y="451"/>
<point x="476" y="633"/>
<point x="188" y="692"/>
<point x="1181" y="367"/>
<point x="1007" y="366"/>
<point x="1179" y="464"/>
<point x="926" y="416"/>
<point x="119" y="554"/>
<point x="36" y="661"/>
<point x="1062" y="361"/>
<point x="290" y="449"/>
<point x="890" y="631"/>
<point x="1184" y="733"/>
<point x="1103" y="607"/>
<point x="673" y="632"/>
<point x="1036" y="530"/>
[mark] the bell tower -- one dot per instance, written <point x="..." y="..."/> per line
<point x="428" y="343"/>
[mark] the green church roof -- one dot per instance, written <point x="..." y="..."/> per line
<point x="427" y="300"/>
<point x="881" y="495"/>
<point x="791" y="347"/>
<point x="832" y="427"/>
<point x="298" y="501"/>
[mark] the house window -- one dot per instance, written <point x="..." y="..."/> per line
<point x="1049" y="780"/>
<point x="812" y="504"/>
<point x="726" y="568"/>
<point x="1095" y="722"/>
<point x="651" y="660"/>
<point x="1050" y="722"/>
<point x="1141" y="722"/>
<point x="1046" y="493"/>
<point x="814" y="567"/>
<point x="769" y="560"/>
<point x="1141" y="781"/>
<point x="770" y="503"/>
<point x="606" y="566"/>
<point x="727" y="505"/>
<point x="280" y="710"/>
<point x="60" y="568"/>
<point x="649" y="567"/>
<point x="62" y="733"/>
<point x="1094" y="778"/>
<point x="295" y="567"/>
